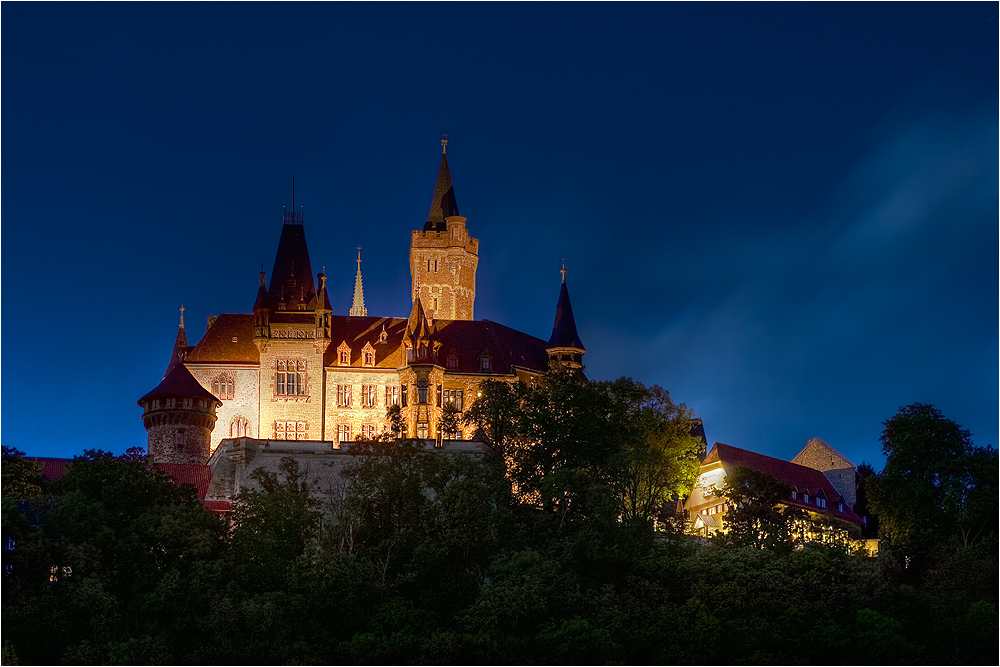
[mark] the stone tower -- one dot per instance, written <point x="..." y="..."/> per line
<point x="443" y="256"/>
<point x="179" y="416"/>
<point x="565" y="349"/>
<point x="291" y="332"/>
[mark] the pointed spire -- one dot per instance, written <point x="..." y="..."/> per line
<point x="358" y="308"/>
<point x="292" y="276"/>
<point x="179" y="352"/>
<point x="416" y="325"/>
<point x="443" y="203"/>
<point x="564" y="327"/>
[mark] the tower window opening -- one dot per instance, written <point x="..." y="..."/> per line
<point x="223" y="387"/>
<point x="239" y="427"/>
<point x="422" y="393"/>
<point x="180" y="438"/>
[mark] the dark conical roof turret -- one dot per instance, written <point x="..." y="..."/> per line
<point x="179" y="382"/>
<point x="179" y="352"/>
<point x="564" y="327"/>
<point x="443" y="203"/>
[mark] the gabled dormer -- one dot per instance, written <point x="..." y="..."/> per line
<point x="344" y="354"/>
<point x="368" y="355"/>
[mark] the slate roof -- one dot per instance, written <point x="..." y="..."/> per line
<point x="217" y="345"/>
<point x="179" y="382"/>
<point x="564" y="327"/>
<point x="468" y="339"/>
<point x="291" y="278"/>
<point x="443" y="203"/>
<point x="800" y="478"/>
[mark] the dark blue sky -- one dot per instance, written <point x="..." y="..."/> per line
<point x="785" y="214"/>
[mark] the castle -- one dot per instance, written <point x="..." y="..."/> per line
<point x="295" y="370"/>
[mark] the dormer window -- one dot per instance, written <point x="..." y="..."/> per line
<point x="344" y="354"/>
<point x="409" y="353"/>
<point x="840" y="506"/>
<point x="368" y="355"/>
<point x="452" y="360"/>
<point x="383" y="337"/>
<point x="805" y="498"/>
<point x="485" y="362"/>
<point x="795" y="495"/>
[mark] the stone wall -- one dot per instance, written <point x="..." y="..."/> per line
<point x="244" y="404"/>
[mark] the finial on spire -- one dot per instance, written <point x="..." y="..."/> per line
<point x="563" y="270"/>
<point x="444" y="143"/>
<point x="182" y="316"/>
<point x="359" y="258"/>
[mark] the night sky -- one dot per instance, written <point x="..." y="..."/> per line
<point x="785" y="214"/>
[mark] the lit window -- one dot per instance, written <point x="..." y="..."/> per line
<point x="840" y="507"/>
<point x="344" y="396"/>
<point x="453" y="398"/>
<point x="222" y="387"/>
<point x="345" y="356"/>
<point x="805" y="498"/>
<point x="368" y="431"/>
<point x="485" y="363"/>
<point x="422" y="430"/>
<point x="391" y="396"/>
<point x="795" y="495"/>
<point x="439" y="394"/>
<point x="403" y="398"/>
<point x="344" y="433"/>
<point x="289" y="378"/>
<point x="369" y="358"/>
<point x="368" y="396"/>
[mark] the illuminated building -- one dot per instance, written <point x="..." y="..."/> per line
<point x="293" y="369"/>
<point x="825" y="489"/>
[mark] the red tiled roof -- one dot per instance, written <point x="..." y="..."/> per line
<point x="800" y="478"/>
<point x="52" y="469"/>
<point x="356" y="331"/>
<point x="181" y="473"/>
<point x="218" y="346"/>
<point x="217" y="506"/>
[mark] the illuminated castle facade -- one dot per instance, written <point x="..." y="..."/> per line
<point x="293" y="369"/>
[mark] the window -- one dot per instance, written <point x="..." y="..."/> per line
<point x="428" y="266"/>
<point x="344" y="396"/>
<point x="180" y="438"/>
<point x="820" y="501"/>
<point x="435" y="305"/>
<point x="239" y="427"/>
<point x="422" y="393"/>
<point x="343" y="433"/>
<point x="222" y="387"/>
<point x="291" y="430"/>
<point x="368" y="431"/>
<point x="289" y="380"/>
<point x="368" y="396"/>
<point x="345" y="357"/>
<point x="409" y="353"/>
<point x="422" y="430"/>
<point x="452" y="360"/>
<point x="453" y="398"/>
<point x="485" y="363"/>
<point x="439" y="396"/>
<point x="805" y="498"/>
<point x="383" y="337"/>
<point x="402" y="396"/>
<point x="368" y="358"/>
<point x="391" y="396"/>
<point x="840" y="507"/>
<point x="435" y="271"/>
<point x="795" y="495"/>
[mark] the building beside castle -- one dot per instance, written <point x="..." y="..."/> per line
<point x="294" y="369"/>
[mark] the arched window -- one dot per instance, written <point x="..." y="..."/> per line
<point x="223" y="387"/>
<point x="239" y="427"/>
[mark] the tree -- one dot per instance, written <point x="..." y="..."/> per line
<point x="397" y="427"/>
<point x="21" y="477"/>
<point x="756" y="516"/>
<point x="935" y="483"/>
<point x="273" y="526"/>
<point x="449" y="421"/>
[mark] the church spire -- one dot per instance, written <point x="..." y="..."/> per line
<point x="179" y="352"/>
<point x="443" y="204"/>
<point x="358" y="308"/>
<point x="565" y="348"/>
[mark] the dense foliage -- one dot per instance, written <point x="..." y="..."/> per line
<point x="427" y="558"/>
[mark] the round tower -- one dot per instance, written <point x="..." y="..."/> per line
<point x="179" y="416"/>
